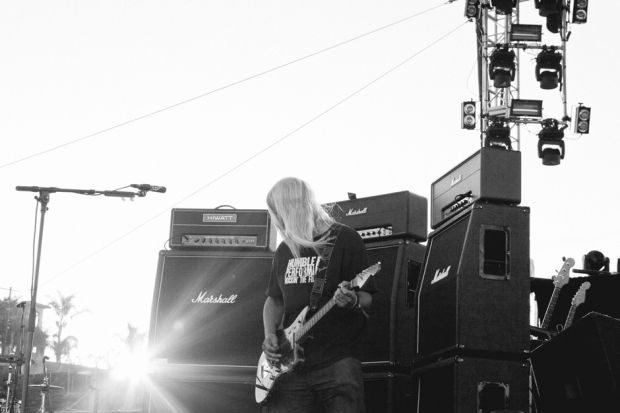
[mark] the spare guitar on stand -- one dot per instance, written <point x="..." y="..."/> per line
<point x="579" y="298"/>
<point x="559" y="281"/>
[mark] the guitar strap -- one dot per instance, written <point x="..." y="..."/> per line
<point x="321" y="275"/>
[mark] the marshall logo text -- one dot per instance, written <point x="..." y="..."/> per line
<point x="357" y="211"/>
<point x="440" y="275"/>
<point x="203" y="299"/>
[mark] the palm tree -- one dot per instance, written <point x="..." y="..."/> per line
<point x="66" y="311"/>
<point x="11" y="329"/>
<point x="134" y="339"/>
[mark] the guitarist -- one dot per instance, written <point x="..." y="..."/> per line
<point x="330" y="379"/>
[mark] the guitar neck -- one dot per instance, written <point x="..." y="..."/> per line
<point x="322" y="311"/>
<point x="316" y="317"/>
<point x="571" y="316"/>
<point x="550" y="308"/>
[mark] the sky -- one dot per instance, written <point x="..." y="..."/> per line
<point x="217" y="101"/>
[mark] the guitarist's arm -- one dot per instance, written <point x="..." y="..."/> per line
<point x="273" y="310"/>
<point x="346" y="298"/>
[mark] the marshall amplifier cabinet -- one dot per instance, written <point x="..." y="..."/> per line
<point x="390" y="332"/>
<point x="222" y="389"/>
<point x="472" y="384"/>
<point x="221" y="229"/>
<point x="474" y="291"/>
<point x="387" y="392"/>
<point x="491" y="174"/>
<point x="395" y="215"/>
<point x="207" y="307"/>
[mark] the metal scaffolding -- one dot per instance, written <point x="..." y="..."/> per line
<point x="493" y="31"/>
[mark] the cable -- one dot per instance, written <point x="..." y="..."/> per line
<point x="469" y="77"/>
<point x="258" y="153"/>
<point x="221" y="88"/>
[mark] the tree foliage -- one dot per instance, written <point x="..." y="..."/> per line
<point x="133" y="341"/>
<point x="65" y="310"/>
<point x="11" y="322"/>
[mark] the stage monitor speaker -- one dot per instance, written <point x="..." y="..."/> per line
<point x="465" y="385"/>
<point x="207" y="307"/>
<point x="474" y="292"/>
<point x="579" y="369"/>
<point x="390" y="333"/>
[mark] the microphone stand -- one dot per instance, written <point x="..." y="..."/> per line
<point x="45" y="391"/>
<point x="44" y="198"/>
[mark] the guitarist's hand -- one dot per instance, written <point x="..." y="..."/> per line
<point x="270" y="346"/>
<point x="344" y="297"/>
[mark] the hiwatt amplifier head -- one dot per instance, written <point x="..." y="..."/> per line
<point x="221" y="229"/>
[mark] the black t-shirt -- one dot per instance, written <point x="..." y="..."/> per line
<point x="337" y="334"/>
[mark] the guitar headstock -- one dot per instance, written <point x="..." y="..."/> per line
<point x="561" y="278"/>
<point x="361" y="278"/>
<point x="580" y="297"/>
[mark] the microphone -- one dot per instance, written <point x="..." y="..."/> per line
<point x="21" y="305"/>
<point x="147" y="187"/>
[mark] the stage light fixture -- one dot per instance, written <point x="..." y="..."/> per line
<point x="503" y="6"/>
<point x="471" y="8"/>
<point x="595" y="261"/>
<point x="526" y="108"/>
<point x="468" y="115"/>
<point x="550" y="144"/>
<point x="547" y="7"/>
<point x="498" y="135"/>
<point x="549" y="68"/>
<point x="525" y="33"/>
<point x="551" y="10"/>
<point x="502" y="67"/>
<point x="554" y="22"/>
<point x="581" y="119"/>
<point x="580" y="12"/>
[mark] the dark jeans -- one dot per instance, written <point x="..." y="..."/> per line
<point x="338" y="388"/>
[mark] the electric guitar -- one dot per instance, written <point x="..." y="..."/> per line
<point x="559" y="280"/>
<point x="579" y="298"/>
<point x="290" y="338"/>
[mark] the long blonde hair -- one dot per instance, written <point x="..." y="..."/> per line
<point x="297" y="215"/>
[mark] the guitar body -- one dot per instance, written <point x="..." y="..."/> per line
<point x="289" y="341"/>
<point x="291" y="357"/>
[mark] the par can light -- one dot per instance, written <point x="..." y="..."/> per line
<point x="581" y="119"/>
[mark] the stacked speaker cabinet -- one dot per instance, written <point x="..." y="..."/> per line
<point x="470" y="384"/>
<point x="200" y="389"/>
<point x="474" y="293"/>
<point x="388" y="392"/>
<point x="390" y="333"/>
<point x="392" y="226"/>
<point x="206" y="329"/>
<point x="472" y="341"/>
